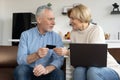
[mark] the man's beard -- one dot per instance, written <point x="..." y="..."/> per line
<point x="48" y="30"/>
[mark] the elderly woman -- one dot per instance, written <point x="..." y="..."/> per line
<point x="84" y="32"/>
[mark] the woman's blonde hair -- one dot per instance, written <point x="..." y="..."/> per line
<point x="80" y="12"/>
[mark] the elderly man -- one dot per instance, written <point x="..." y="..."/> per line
<point x="36" y="62"/>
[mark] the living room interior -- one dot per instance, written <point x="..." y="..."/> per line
<point x="101" y="15"/>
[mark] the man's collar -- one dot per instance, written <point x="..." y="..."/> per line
<point x="40" y="33"/>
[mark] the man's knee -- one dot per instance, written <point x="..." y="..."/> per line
<point x="58" y="74"/>
<point x="22" y="70"/>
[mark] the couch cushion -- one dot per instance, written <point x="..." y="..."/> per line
<point x="8" y="56"/>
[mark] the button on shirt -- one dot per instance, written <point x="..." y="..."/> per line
<point x="31" y="40"/>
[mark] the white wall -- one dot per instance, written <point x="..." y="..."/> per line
<point x="100" y="9"/>
<point x="1" y="19"/>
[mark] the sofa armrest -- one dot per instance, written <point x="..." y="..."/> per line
<point x="8" y="55"/>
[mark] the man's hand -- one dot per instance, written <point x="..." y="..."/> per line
<point x="61" y="51"/>
<point x="42" y="52"/>
<point x="40" y="70"/>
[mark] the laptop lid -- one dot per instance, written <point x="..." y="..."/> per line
<point x="88" y="55"/>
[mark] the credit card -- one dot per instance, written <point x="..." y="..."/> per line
<point x="50" y="46"/>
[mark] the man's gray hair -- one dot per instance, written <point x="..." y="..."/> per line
<point x="41" y="9"/>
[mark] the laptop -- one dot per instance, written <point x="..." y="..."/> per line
<point x="88" y="55"/>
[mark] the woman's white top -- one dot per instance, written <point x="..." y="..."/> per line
<point x="94" y="34"/>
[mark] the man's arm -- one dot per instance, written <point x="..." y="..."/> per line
<point x="32" y="58"/>
<point x="42" y="52"/>
<point x="22" y="56"/>
<point x="62" y="51"/>
<point x="41" y="70"/>
<point x="57" y="60"/>
<point x="22" y="49"/>
<point x="50" y="68"/>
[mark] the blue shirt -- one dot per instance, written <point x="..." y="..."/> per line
<point x="31" y="40"/>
